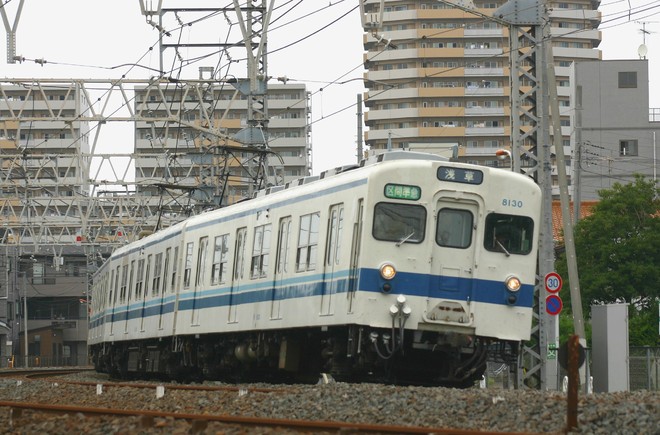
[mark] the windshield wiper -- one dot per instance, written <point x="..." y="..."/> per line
<point x="502" y="247"/>
<point x="400" y="242"/>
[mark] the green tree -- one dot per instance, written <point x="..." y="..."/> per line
<point x="618" y="255"/>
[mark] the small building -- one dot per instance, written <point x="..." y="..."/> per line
<point x="615" y="133"/>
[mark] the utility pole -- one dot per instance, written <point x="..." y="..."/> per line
<point x="571" y="259"/>
<point x="528" y="22"/>
<point x="359" y="128"/>
<point x="25" y="320"/>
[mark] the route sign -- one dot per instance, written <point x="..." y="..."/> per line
<point x="553" y="305"/>
<point x="553" y="282"/>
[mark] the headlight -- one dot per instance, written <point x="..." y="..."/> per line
<point x="387" y="271"/>
<point x="513" y="283"/>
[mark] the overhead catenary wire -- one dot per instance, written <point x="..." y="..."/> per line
<point x="649" y="7"/>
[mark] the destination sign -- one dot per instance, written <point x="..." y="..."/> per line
<point x="403" y="191"/>
<point x="460" y="175"/>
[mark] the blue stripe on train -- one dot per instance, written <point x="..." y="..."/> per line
<point x="413" y="284"/>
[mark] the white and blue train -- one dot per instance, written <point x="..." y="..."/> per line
<point x="405" y="269"/>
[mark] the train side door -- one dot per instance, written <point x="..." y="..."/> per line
<point x="237" y="273"/>
<point x="453" y="260"/>
<point x="122" y="295"/>
<point x="332" y="258"/>
<point x="112" y="300"/>
<point x="200" y="274"/>
<point x="166" y="272"/>
<point x="281" y="266"/>
<point x="144" y="292"/>
<point x="355" y="255"/>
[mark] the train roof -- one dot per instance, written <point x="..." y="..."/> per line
<point x="385" y="157"/>
<point x="290" y="188"/>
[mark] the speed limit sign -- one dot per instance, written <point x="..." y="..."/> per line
<point x="553" y="282"/>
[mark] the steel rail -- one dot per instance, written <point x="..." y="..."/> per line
<point x="196" y="419"/>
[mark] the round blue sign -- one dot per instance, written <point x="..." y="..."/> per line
<point x="553" y="305"/>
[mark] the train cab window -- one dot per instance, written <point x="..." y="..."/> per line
<point x="308" y="240"/>
<point x="260" y="251"/>
<point x="399" y="222"/>
<point x="509" y="234"/>
<point x="454" y="228"/>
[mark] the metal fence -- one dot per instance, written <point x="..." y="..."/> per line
<point x="17" y="361"/>
<point x="643" y="369"/>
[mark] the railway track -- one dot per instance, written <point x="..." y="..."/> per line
<point x="22" y="412"/>
<point x="200" y="422"/>
<point x="48" y="401"/>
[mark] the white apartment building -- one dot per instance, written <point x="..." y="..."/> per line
<point x="443" y="83"/>
<point x="43" y="191"/>
<point x="171" y="153"/>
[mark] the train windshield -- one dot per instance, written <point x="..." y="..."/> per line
<point x="401" y="223"/>
<point x="454" y="229"/>
<point x="509" y="234"/>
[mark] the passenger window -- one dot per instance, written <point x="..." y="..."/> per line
<point x="399" y="222"/>
<point x="200" y="275"/>
<point x="454" y="228"/>
<point x="239" y="253"/>
<point x="130" y="281"/>
<point x="139" y="279"/>
<point x="124" y="279"/>
<point x="187" y="270"/>
<point x="283" y="246"/>
<point x="175" y="264"/>
<point x="509" y="234"/>
<point x="220" y="257"/>
<point x="166" y="269"/>
<point x="155" y="284"/>
<point x="260" y="251"/>
<point x="112" y="283"/>
<point x="147" y="276"/>
<point x="308" y="240"/>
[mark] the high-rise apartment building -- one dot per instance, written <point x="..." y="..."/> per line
<point x="214" y="167"/>
<point x="44" y="187"/>
<point x="56" y="224"/>
<point x="438" y="76"/>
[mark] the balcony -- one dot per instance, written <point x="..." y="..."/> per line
<point x="484" y="131"/>
<point x="487" y="111"/>
<point x="482" y="52"/>
<point x="483" y="91"/>
<point x="484" y="72"/>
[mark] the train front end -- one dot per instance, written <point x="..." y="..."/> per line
<point x="448" y="267"/>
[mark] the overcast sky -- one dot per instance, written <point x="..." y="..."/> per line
<point x="318" y="43"/>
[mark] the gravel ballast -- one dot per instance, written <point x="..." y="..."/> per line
<point x="477" y="409"/>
